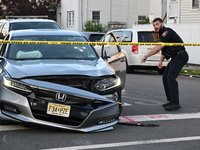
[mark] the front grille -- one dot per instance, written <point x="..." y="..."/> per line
<point x="80" y="82"/>
<point x="80" y="107"/>
<point x="71" y="99"/>
<point x="77" y="114"/>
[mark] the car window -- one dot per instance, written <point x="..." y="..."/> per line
<point x="3" y="46"/>
<point x="1" y="24"/>
<point x="118" y="35"/>
<point x="126" y="36"/>
<point x="148" y="37"/>
<point x="5" y="29"/>
<point x="110" y="38"/>
<point x="34" y="25"/>
<point x="95" y="37"/>
<point x="111" y="50"/>
<point x="51" y="51"/>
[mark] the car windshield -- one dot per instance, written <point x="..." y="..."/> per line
<point x="33" y="25"/>
<point x="50" y="51"/>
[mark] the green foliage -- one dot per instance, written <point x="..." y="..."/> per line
<point x="190" y="72"/>
<point x="144" y="21"/>
<point x="27" y="7"/>
<point x="90" y="26"/>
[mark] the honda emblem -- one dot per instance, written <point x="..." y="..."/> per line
<point x="61" y="97"/>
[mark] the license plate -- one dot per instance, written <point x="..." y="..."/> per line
<point x="58" y="110"/>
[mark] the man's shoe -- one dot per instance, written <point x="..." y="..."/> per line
<point x="167" y="104"/>
<point x="173" y="106"/>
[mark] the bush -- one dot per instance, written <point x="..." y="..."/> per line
<point x="144" y="21"/>
<point x="90" y="26"/>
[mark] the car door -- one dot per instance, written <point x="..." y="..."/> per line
<point x="114" y="56"/>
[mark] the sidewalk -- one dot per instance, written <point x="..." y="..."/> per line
<point x="192" y="67"/>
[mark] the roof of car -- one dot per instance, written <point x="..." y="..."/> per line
<point x="133" y="29"/>
<point x="28" y="20"/>
<point x="44" y="32"/>
<point x="89" y="33"/>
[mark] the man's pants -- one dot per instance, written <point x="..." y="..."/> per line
<point x="171" y="73"/>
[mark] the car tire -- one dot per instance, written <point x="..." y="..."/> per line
<point x="120" y="107"/>
<point x="129" y="69"/>
<point x="120" y="101"/>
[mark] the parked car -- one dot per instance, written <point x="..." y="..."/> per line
<point x="7" y="25"/>
<point x="64" y="86"/>
<point x="134" y="53"/>
<point x="93" y="36"/>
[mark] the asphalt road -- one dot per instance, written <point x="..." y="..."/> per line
<point x="143" y="97"/>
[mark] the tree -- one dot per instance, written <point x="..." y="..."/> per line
<point x="28" y="7"/>
<point x="90" y="26"/>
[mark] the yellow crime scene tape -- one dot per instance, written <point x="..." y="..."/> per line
<point x="98" y="43"/>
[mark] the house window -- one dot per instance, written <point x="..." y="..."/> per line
<point x="195" y="4"/>
<point x="70" y="18"/>
<point x="96" y="16"/>
<point x="140" y="18"/>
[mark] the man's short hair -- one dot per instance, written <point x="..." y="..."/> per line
<point x="158" y="19"/>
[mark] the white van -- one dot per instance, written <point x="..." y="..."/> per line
<point x="134" y="53"/>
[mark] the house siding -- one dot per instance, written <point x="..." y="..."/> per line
<point x="96" y="5"/>
<point x="155" y="8"/>
<point x="126" y="11"/>
<point x="62" y="11"/>
<point x="187" y="14"/>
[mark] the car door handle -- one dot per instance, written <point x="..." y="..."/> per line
<point x="122" y="59"/>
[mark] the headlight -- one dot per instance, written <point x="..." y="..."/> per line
<point x="16" y="86"/>
<point x="107" y="84"/>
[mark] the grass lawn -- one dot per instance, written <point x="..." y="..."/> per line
<point x="191" y="72"/>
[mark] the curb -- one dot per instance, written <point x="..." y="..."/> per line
<point x="189" y="75"/>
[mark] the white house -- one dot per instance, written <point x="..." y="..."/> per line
<point x="183" y="11"/>
<point x="72" y="14"/>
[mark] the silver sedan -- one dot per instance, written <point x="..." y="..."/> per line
<point x="58" y="85"/>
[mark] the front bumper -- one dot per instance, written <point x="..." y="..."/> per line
<point x="92" y="119"/>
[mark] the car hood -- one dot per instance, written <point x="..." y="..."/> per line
<point x="29" y="68"/>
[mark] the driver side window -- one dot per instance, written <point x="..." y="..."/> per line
<point x="111" y="50"/>
<point x="5" y="29"/>
<point x="3" y="47"/>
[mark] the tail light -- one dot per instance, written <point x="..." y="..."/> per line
<point x="135" y="49"/>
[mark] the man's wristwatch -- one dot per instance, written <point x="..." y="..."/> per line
<point x="145" y="56"/>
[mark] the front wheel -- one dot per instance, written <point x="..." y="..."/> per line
<point x="120" y="101"/>
<point x="129" y="69"/>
